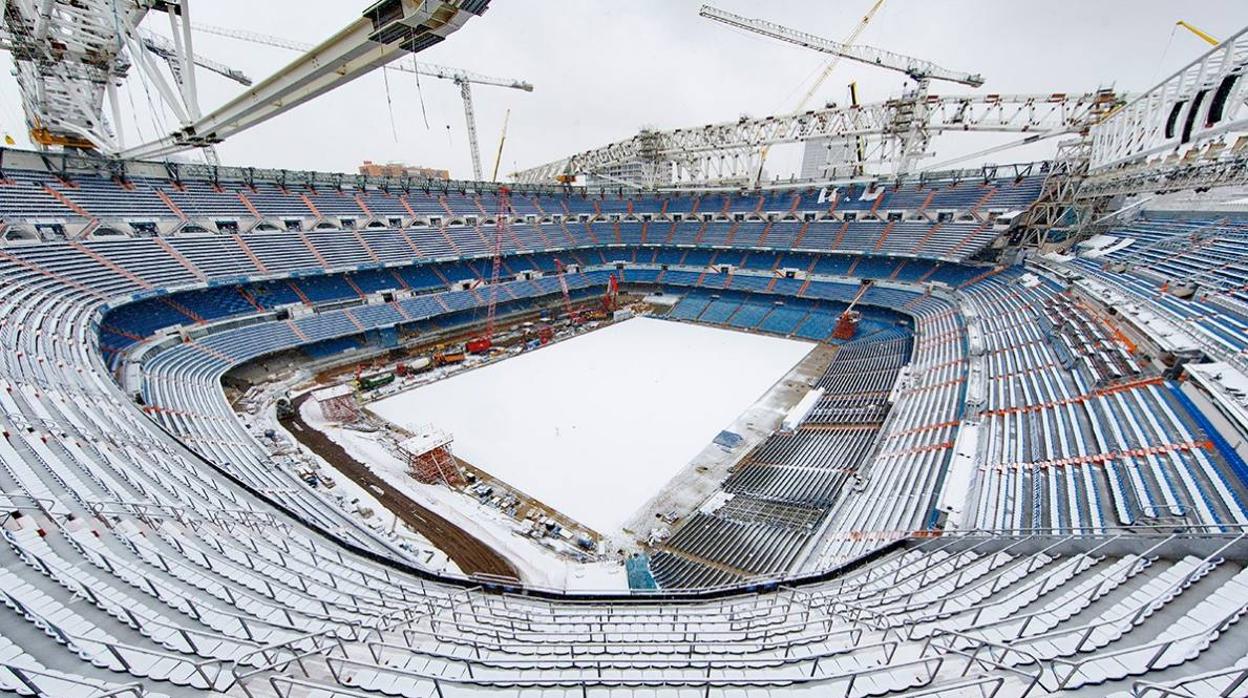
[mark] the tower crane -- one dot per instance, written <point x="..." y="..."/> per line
<point x="917" y="69"/>
<point x="462" y="78"/>
<point x="911" y="130"/>
<point x="708" y="11"/>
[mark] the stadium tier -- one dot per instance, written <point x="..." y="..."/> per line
<point x="995" y="493"/>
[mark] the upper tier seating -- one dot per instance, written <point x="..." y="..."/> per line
<point x="132" y="565"/>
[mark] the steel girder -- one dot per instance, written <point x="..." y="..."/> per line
<point x="388" y="30"/>
<point x="1201" y="105"/>
<point x="896" y="131"/>
<point x="67" y="55"/>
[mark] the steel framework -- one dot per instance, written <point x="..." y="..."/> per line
<point x="1188" y="132"/>
<point x="69" y="55"/>
<point x="1201" y="105"/>
<point x="463" y="78"/>
<point x="892" y="133"/>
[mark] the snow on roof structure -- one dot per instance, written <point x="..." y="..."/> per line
<point x="429" y="438"/>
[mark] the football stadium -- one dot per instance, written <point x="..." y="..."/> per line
<point x="915" y="385"/>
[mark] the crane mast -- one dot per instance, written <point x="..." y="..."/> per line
<point x="485" y="342"/>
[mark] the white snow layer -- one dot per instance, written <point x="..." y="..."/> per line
<point x="595" y="425"/>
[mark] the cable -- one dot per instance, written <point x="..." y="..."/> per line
<point x="1162" y="62"/>
<point x="420" y="93"/>
<point x="394" y="130"/>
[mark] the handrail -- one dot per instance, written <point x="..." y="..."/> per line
<point x="1133" y="618"/>
<point x="1144" y="689"/>
<point x="23" y="674"/>
<point x="998" y="662"/>
<point x="1161" y="647"/>
<point x="280" y="655"/>
<point x="573" y="661"/>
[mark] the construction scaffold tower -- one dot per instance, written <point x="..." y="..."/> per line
<point x="430" y="458"/>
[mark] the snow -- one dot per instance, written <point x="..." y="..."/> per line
<point x="539" y="565"/>
<point x="594" y="426"/>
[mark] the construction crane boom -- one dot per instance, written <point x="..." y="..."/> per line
<point x="1203" y="36"/>
<point x="917" y="68"/>
<point x="463" y="78"/>
<point x="498" y="157"/>
<point x="831" y="66"/>
<point x="383" y="33"/>
<point x="432" y="70"/>
<point x="166" y="49"/>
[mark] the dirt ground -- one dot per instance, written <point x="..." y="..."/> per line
<point x="470" y="554"/>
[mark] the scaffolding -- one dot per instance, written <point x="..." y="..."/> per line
<point x="430" y="458"/>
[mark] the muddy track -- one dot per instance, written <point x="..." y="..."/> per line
<point x="469" y="553"/>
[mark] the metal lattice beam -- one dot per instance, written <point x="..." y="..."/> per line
<point x="1202" y="105"/>
<point x="66" y="55"/>
<point x="888" y="130"/>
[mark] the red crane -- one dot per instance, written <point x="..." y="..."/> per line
<point x="573" y="316"/>
<point x="483" y="343"/>
<point x="611" y="298"/>
<point x="847" y="323"/>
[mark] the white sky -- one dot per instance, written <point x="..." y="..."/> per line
<point x="603" y="68"/>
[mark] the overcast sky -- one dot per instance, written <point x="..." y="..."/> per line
<point x="603" y="68"/>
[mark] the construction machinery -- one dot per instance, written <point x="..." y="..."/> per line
<point x="502" y="140"/>
<point x="714" y="13"/>
<point x="483" y="343"/>
<point x="374" y="381"/>
<point x="441" y="357"/>
<point x="916" y="69"/>
<point x="568" y="311"/>
<point x="847" y="323"/>
<point x="462" y="78"/>
<point x="611" y="299"/>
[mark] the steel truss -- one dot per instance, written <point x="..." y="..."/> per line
<point x="1188" y="132"/>
<point x="1201" y="105"/>
<point x="895" y="135"/>
<point x="68" y="56"/>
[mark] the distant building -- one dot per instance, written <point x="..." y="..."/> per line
<point x="399" y="169"/>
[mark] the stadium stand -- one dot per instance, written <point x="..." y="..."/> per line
<point x="159" y="548"/>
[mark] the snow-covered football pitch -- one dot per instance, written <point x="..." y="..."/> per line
<point x="594" y="426"/>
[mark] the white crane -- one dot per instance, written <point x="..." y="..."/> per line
<point x="172" y="54"/>
<point x="918" y="69"/>
<point x="911" y="129"/>
<point x="463" y="78"/>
